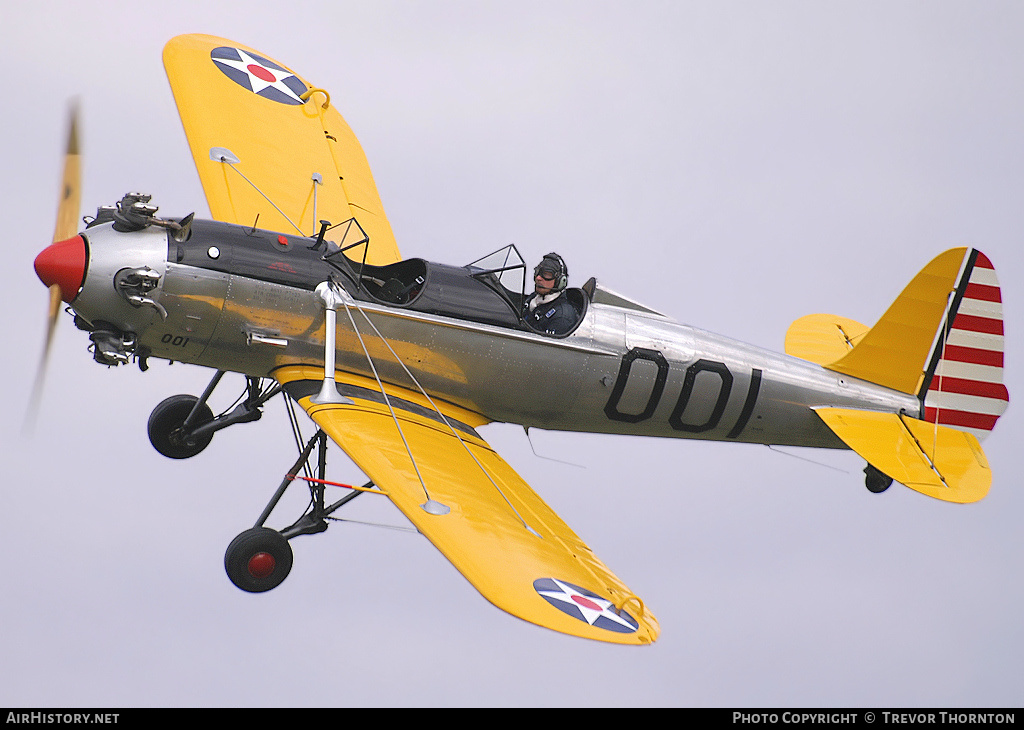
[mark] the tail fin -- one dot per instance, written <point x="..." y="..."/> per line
<point x="942" y="340"/>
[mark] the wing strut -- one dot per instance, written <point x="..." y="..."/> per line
<point x="443" y="417"/>
<point x="349" y="302"/>
<point x="924" y="452"/>
<point x="331" y="296"/>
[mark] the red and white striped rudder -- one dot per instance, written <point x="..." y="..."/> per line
<point x="963" y="386"/>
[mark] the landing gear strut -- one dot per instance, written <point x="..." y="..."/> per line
<point x="260" y="558"/>
<point x="181" y="426"/>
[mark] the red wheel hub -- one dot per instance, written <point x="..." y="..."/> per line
<point x="261" y="565"/>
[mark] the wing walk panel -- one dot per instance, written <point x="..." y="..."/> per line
<point x="499" y="533"/>
<point x="231" y="96"/>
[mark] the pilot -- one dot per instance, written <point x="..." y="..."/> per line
<point x="548" y="309"/>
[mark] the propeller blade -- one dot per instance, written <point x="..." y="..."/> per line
<point x="40" y="381"/>
<point x="71" y="194"/>
<point x="68" y="209"/>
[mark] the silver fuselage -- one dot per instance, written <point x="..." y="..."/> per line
<point x="624" y="369"/>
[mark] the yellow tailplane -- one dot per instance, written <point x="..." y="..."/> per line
<point x="935" y="460"/>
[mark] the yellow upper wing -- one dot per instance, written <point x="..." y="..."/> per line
<point x="498" y="532"/>
<point x="283" y="132"/>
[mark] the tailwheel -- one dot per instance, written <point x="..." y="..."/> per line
<point x="258" y="560"/>
<point x="167" y="426"/>
<point x="876" y="481"/>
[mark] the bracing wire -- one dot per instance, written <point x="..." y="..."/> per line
<point x="254" y="187"/>
<point x="439" y="413"/>
<point x="772" y="447"/>
<point x="387" y="400"/>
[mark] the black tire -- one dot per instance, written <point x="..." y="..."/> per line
<point x="166" y="420"/>
<point x="258" y="560"/>
<point x="876" y="481"/>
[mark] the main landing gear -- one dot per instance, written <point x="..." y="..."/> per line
<point x="181" y="426"/>
<point x="260" y="558"/>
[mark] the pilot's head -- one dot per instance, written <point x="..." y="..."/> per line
<point x="550" y="275"/>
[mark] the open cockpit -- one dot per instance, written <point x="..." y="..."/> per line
<point x="490" y="290"/>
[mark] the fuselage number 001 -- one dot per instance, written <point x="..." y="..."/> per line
<point x="676" y="420"/>
<point x="174" y="340"/>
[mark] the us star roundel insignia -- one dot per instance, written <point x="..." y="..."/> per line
<point x="586" y="606"/>
<point x="259" y="75"/>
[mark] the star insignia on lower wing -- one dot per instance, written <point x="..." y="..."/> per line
<point x="584" y="605"/>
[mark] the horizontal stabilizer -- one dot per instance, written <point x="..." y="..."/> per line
<point x="823" y="338"/>
<point x="936" y="460"/>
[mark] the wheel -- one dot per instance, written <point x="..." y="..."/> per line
<point x="876" y="481"/>
<point x="166" y="420"/>
<point x="258" y="559"/>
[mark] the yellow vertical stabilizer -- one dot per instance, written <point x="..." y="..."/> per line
<point x="894" y="352"/>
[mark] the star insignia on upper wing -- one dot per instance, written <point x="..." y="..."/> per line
<point x="261" y="76"/>
<point x="585" y="605"/>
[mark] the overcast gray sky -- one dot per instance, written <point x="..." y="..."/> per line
<point x="734" y="165"/>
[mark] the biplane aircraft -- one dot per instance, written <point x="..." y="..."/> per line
<point x="298" y="285"/>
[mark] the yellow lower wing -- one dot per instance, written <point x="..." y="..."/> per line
<point x="497" y="531"/>
<point x="935" y="460"/>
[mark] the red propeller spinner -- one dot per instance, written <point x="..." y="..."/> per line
<point x="63" y="263"/>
